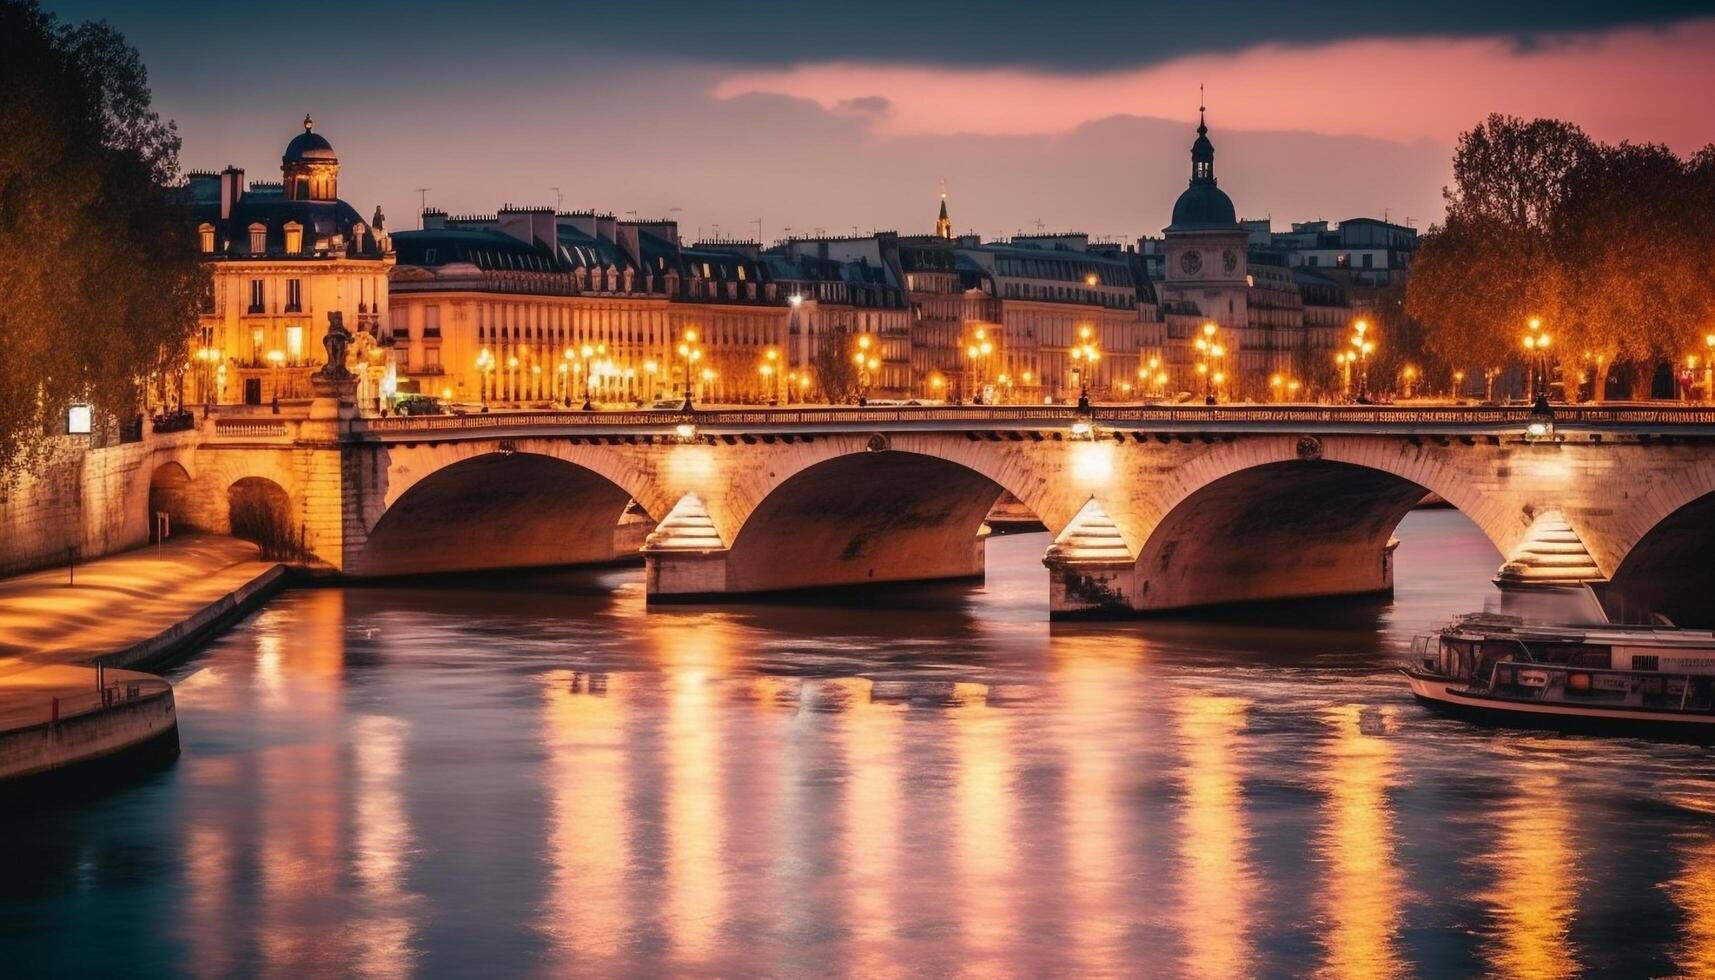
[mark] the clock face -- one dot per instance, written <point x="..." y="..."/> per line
<point x="1230" y="259"/>
<point x="1191" y="262"/>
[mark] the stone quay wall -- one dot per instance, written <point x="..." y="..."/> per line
<point x="84" y="501"/>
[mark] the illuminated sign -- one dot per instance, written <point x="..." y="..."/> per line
<point x="78" y="420"/>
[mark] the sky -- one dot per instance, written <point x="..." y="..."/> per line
<point x="803" y="117"/>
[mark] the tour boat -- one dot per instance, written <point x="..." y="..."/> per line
<point x="1656" y="681"/>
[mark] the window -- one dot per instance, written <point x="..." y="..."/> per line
<point x="294" y="238"/>
<point x="294" y="295"/>
<point x="1369" y="260"/>
<point x="258" y="238"/>
<point x="432" y="358"/>
<point x="206" y="233"/>
<point x="257" y="298"/>
<point x="295" y="343"/>
<point x="431" y="321"/>
<point x="256" y="338"/>
<point x="428" y="256"/>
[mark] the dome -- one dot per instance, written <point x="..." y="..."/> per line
<point x="309" y="146"/>
<point x="1203" y="207"/>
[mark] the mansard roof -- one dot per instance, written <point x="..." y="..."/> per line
<point x="264" y="204"/>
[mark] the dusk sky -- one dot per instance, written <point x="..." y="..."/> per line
<point x="840" y="116"/>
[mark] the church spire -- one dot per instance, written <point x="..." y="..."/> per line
<point x="943" y="224"/>
<point x="1202" y="151"/>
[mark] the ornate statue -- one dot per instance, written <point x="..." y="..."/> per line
<point x="337" y="340"/>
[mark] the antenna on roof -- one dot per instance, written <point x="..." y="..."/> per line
<point x="422" y="204"/>
<point x="559" y="199"/>
<point x="759" y="231"/>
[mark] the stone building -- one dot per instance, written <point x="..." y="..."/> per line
<point x="284" y="257"/>
<point x="501" y="308"/>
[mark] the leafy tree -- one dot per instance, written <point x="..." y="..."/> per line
<point x="1606" y="244"/>
<point x="102" y="282"/>
<point x="1495" y="262"/>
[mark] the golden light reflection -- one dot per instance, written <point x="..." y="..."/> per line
<point x="209" y="857"/>
<point x="872" y="736"/>
<point x="983" y="806"/>
<point x="696" y="888"/>
<point x="1217" y="891"/>
<point x="1694" y="892"/>
<point x="586" y="742"/>
<point x="1364" y="890"/>
<point x="1094" y="688"/>
<point x="382" y="843"/>
<point x="300" y="858"/>
<point x="1532" y="854"/>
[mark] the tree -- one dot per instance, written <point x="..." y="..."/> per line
<point x="1495" y="263"/>
<point x="836" y="373"/>
<point x="102" y="282"/>
<point x="1606" y="244"/>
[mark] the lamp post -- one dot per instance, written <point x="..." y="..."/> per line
<point x="1084" y="357"/>
<point x="691" y="354"/>
<point x="1536" y="344"/>
<point x="1458" y="385"/>
<point x="649" y="369"/>
<point x="1210" y="350"/>
<point x="1362" y="348"/>
<point x="770" y="374"/>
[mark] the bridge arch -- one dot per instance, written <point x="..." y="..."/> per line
<point x="495" y="509"/>
<point x="855" y="512"/>
<point x="1671" y="567"/>
<point x="1273" y="519"/>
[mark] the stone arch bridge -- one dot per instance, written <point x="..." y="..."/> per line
<point x="1158" y="508"/>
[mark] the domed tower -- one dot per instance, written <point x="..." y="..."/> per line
<point x="1205" y="244"/>
<point x="309" y="168"/>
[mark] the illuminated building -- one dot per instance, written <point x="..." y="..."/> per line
<point x="283" y="257"/>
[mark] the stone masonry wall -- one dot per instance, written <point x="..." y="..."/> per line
<point x="82" y="499"/>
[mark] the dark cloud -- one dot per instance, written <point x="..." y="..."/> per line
<point x="1093" y="35"/>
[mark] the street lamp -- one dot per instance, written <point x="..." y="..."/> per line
<point x="1362" y="348"/>
<point x="1458" y="385"/>
<point x="1084" y="358"/>
<point x="1536" y="344"/>
<point x="1210" y="351"/>
<point x="691" y="354"/>
<point x="770" y="373"/>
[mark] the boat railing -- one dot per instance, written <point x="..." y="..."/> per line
<point x="1635" y="685"/>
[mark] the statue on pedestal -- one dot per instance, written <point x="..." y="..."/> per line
<point x="336" y="342"/>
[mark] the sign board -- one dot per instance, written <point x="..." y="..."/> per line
<point x="78" y="418"/>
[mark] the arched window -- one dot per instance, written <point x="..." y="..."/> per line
<point x="205" y="232"/>
<point x="258" y="238"/>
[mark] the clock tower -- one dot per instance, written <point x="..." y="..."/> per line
<point x="1206" y="264"/>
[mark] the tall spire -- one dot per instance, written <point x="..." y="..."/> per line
<point x="1202" y="151"/>
<point x="943" y="224"/>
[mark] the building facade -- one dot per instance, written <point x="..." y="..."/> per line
<point x="285" y="258"/>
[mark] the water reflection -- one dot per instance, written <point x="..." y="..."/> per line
<point x="1694" y="892"/>
<point x="1218" y="889"/>
<point x="984" y="807"/>
<point x="1363" y="892"/>
<point x="588" y="845"/>
<point x="1532" y="854"/>
<point x="872" y="737"/>
<point x="543" y="777"/>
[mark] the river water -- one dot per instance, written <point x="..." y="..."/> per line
<point x="539" y="777"/>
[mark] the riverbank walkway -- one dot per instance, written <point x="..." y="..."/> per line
<point x="122" y="608"/>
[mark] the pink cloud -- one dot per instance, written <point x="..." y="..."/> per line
<point x="1643" y="85"/>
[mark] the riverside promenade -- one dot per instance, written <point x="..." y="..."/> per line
<point x="129" y="609"/>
